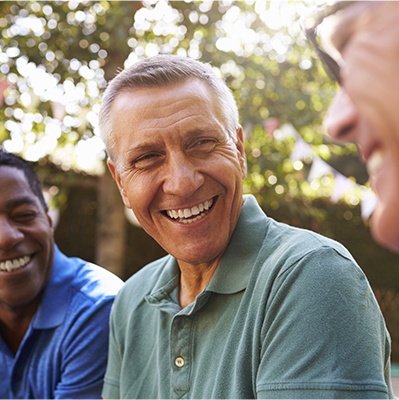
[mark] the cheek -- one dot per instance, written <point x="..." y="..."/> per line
<point x="368" y="81"/>
<point x="138" y="194"/>
<point x="229" y="173"/>
<point x="384" y="220"/>
<point x="384" y="227"/>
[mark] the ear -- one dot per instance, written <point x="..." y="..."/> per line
<point x="241" y="151"/>
<point x="51" y="219"/>
<point x="117" y="178"/>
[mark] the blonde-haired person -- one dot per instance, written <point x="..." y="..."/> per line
<point x="363" y="55"/>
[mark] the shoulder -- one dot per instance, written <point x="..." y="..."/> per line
<point x="298" y="259"/>
<point x="85" y="279"/>
<point x="295" y="244"/>
<point x="96" y="282"/>
<point x="78" y="295"/>
<point x="144" y="281"/>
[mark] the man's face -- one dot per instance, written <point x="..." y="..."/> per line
<point x="178" y="169"/>
<point x="26" y="242"/>
<point x="365" y="110"/>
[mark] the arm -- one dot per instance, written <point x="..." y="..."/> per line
<point x="324" y="335"/>
<point x="111" y="381"/>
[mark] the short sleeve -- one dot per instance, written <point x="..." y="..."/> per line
<point x="323" y="335"/>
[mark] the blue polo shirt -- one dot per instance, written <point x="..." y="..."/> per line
<point x="287" y="314"/>
<point x="64" y="352"/>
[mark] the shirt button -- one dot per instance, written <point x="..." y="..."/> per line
<point x="179" y="362"/>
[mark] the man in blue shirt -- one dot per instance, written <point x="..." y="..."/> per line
<point x="54" y="310"/>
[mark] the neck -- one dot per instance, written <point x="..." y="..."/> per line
<point x="14" y="323"/>
<point x="193" y="280"/>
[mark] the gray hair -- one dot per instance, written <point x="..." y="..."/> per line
<point x="163" y="70"/>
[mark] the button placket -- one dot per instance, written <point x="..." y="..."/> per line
<point x="180" y="345"/>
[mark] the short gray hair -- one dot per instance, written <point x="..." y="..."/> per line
<point x="163" y="70"/>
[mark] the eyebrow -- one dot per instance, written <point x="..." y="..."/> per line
<point x="194" y="133"/>
<point x="21" y="201"/>
<point x="188" y="135"/>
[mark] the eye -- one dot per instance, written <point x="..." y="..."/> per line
<point x="25" y="216"/>
<point x="146" y="161"/>
<point x="203" y="145"/>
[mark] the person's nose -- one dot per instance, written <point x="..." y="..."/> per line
<point x="342" y="118"/>
<point x="10" y="235"/>
<point x="182" y="176"/>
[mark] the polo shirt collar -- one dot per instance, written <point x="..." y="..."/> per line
<point x="234" y="270"/>
<point x="161" y="295"/>
<point x="56" y="296"/>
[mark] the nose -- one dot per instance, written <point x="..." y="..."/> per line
<point x="342" y="118"/>
<point x="10" y="235"/>
<point x="182" y="177"/>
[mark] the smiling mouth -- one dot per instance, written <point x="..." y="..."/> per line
<point x="14" y="264"/>
<point x="374" y="162"/>
<point x="190" y="215"/>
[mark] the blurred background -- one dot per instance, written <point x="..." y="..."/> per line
<point x="56" y="58"/>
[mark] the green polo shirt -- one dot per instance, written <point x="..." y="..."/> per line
<point x="287" y="314"/>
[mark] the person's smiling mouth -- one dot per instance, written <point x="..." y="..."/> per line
<point x="192" y="214"/>
<point x="15" y="263"/>
<point x="375" y="161"/>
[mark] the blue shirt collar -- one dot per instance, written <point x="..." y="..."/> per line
<point x="56" y="296"/>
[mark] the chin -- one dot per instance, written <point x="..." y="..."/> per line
<point x="384" y="231"/>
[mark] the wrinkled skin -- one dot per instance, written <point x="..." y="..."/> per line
<point x="365" y="110"/>
<point x="173" y="153"/>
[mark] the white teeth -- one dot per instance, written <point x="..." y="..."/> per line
<point x="16" y="263"/>
<point x="190" y="212"/>
<point x="174" y="214"/>
<point x="195" y="210"/>
<point x="374" y="162"/>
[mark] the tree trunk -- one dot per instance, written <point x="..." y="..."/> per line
<point x="111" y="221"/>
<point x="111" y="226"/>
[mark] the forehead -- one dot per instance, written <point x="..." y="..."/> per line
<point x="156" y="110"/>
<point x="163" y="98"/>
<point x="347" y="19"/>
<point x="15" y="187"/>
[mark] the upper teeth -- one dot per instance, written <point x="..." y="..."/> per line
<point x="374" y="162"/>
<point x="10" y="265"/>
<point x="189" y="212"/>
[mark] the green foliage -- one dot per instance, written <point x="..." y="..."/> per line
<point x="57" y="57"/>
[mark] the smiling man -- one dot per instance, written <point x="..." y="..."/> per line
<point x="363" y="56"/>
<point x="54" y="310"/>
<point x="243" y="306"/>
